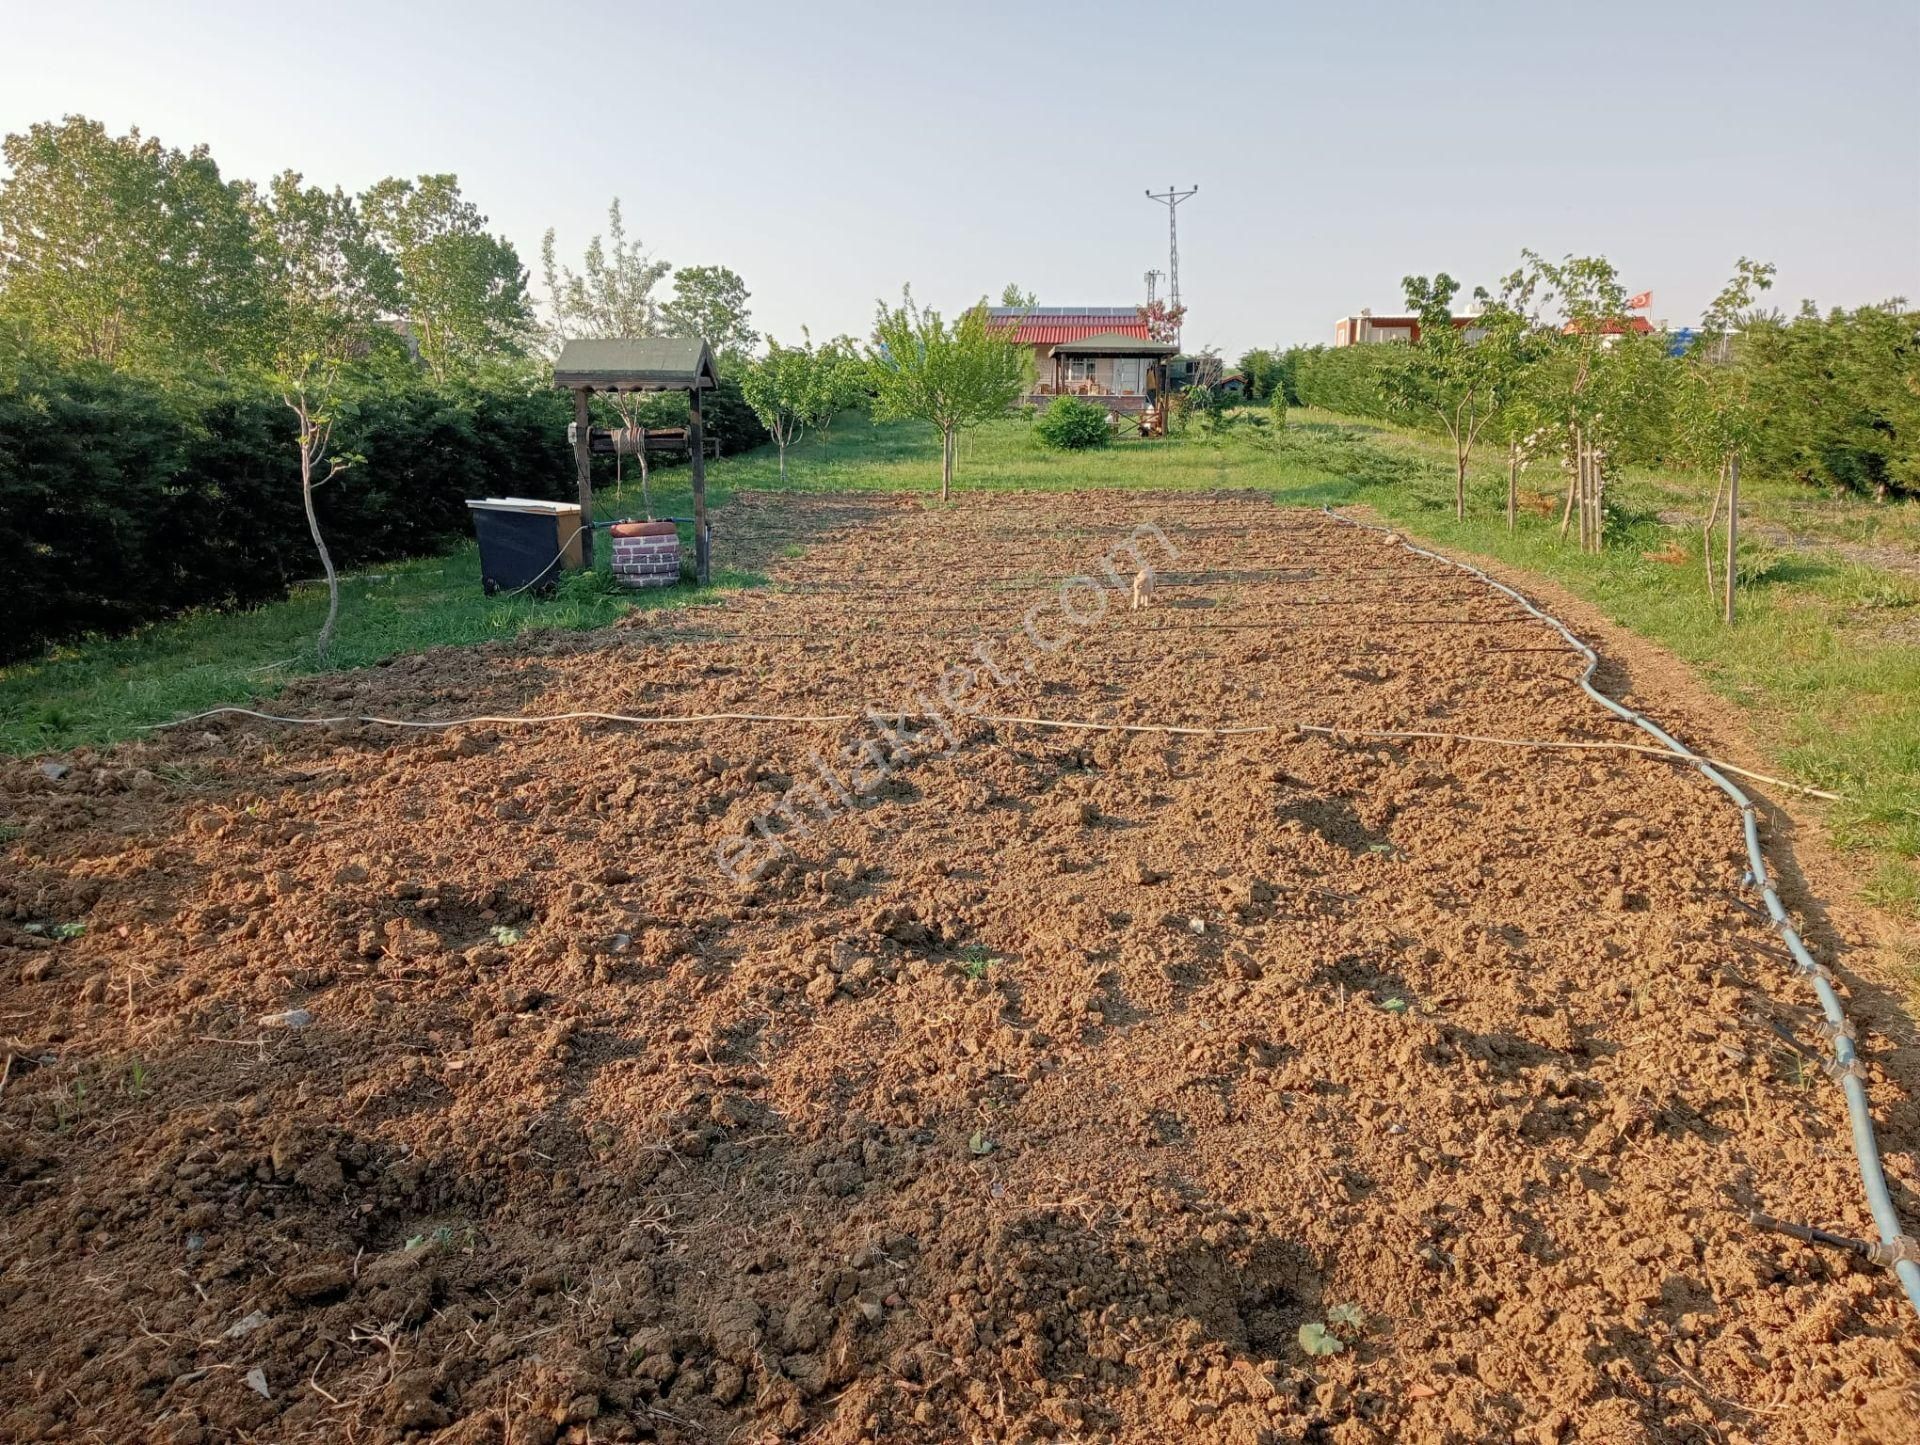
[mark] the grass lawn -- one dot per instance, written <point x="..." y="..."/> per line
<point x="1826" y="657"/>
<point x="101" y="690"/>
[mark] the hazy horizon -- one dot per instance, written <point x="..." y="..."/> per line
<point x="833" y="154"/>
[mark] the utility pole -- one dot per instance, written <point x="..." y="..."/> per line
<point x="1171" y="199"/>
<point x="1153" y="284"/>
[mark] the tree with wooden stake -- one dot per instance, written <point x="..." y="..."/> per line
<point x="1718" y="416"/>
<point x="327" y="283"/>
<point x="1599" y="379"/>
<point x="1523" y="424"/>
<point x="952" y="376"/>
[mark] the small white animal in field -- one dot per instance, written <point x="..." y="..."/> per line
<point x="1142" y="588"/>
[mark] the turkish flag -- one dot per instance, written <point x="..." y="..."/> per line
<point x="1642" y="302"/>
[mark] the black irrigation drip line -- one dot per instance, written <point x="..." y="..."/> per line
<point x="1896" y="1249"/>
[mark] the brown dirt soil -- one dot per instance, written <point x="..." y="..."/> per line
<point x="1045" y="1091"/>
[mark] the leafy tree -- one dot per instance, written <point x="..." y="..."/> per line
<point x="846" y="380"/>
<point x="1525" y="424"/>
<point x="792" y="388"/>
<point x="1163" y="321"/>
<point x="327" y="283"/>
<point x="1602" y="381"/>
<point x="1012" y="295"/>
<point x="1261" y="367"/>
<point x="1716" y="415"/>
<point x="1460" y="382"/>
<point x="464" y="291"/>
<point x="711" y="301"/>
<point x="952" y="376"/>
<point x="1841" y="394"/>
<point x="118" y="250"/>
<point x="612" y="295"/>
<point x="611" y="298"/>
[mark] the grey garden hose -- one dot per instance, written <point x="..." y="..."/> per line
<point x="1895" y="1249"/>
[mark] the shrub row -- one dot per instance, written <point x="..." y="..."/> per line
<point x="122" y="501"/>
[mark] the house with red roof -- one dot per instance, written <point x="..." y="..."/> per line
<point x="1612" y="328"/>
<point x="1107" y="354"/>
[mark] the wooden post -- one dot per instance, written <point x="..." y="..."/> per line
<point x="583" y="468"/>
<point x="1733" y="531"/>
<point x="697" y="450"/>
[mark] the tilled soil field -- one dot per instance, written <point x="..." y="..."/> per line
<point x="948" y="1080"/>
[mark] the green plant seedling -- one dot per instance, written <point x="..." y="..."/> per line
<point x="1394" y="1005"/>
<point x="975" y="959"/>
<point x="1315" y="1339"/>
<point x="505" y="936"/>
<point x="980" y="1144"/>
<point x="1347" y="1317"/>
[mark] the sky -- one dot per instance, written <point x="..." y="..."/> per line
<point x="831" y="153"/>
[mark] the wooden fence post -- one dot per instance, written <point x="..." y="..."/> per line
<point x="1733" y="531"/>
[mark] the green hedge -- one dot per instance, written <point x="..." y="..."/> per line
<point x="122" y="501"/>
<point x="1346" y="379"/>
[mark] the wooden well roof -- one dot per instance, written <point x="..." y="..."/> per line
<point x="641" y="363"/>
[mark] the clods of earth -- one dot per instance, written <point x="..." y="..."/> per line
<point x="925" y="1076"/>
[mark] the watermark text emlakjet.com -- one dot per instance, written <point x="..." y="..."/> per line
<point x="924" y="726"/>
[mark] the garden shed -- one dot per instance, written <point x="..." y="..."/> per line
<point x="645" y="363"/>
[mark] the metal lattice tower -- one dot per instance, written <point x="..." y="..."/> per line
<point x="1153" y="284"/>
<point x="1171" y="199"/>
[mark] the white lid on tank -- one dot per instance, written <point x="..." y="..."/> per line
<point x="524" y="504"/>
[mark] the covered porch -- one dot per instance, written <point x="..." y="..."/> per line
<point x="1121" y="373"/>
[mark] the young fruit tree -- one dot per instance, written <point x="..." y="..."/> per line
<point x="792" y="388"/>
<point x="845" y="381"/>
<point x="1524" y="422"/>
<point x="1462" y="380"/>
<point x="1718" y="418"/>
<point x="952" y="376"/>
<point x="327" y="282"/>
<point x="610" y="298"/>
<point x="1600" y="379"/>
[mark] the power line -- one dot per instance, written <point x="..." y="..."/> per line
<point x="1171" y="199"/>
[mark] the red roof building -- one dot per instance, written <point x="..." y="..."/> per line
<point x="1614" y="326"/>
<point x="1104" y="352"/>
<point x="1051" y="325"/>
